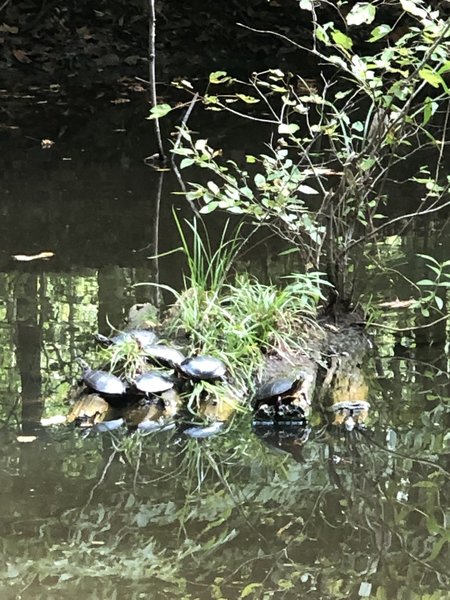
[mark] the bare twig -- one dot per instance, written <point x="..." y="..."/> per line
<point x="152" y="74"/>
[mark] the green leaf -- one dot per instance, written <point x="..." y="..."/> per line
<point x="250" y="158"/>
<point x="213" y="188"/>
<point x="219" y="77"/>
<point x="322" y="35"/>
<point x="431" y="77"/>
<point x="247" y="99"/>
<point x="429" y="108"/>
<point x="186" y="162"/>
<point x="341" y="40"/>
<point x="425" y="282"/>
<point x="249" y="589"/>
<point x="289" y="128"/>
<point x="379" y="32"/>
<point x="411" y="7"/>
<point x="439" y="302"/>
<point x="158" y="111"/>
<point x="260" y="180"/>
<point x="362" y="12"/>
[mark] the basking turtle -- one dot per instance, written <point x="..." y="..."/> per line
<point x="102" y="382"/>
<point x="144" y="337"/>
<point x="280" y="399"/>
<point x="164" y="356"/>
<point x="153" y="382"/>
<point x="202" y="368"/>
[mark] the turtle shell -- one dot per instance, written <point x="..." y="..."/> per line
<point x="275" y="388"/>
<point x="153" y="382"/>
<point x="144" y="337"/>
<point x="104" y="382"/>
<point x="164" y="356"/>
<point x="202" y="367"/>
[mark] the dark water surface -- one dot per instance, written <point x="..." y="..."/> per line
<point x="342" y="515"/>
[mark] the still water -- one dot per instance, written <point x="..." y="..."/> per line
<point x="340" y="515"/>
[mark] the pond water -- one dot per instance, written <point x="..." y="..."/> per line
<point x="359" y="514"/>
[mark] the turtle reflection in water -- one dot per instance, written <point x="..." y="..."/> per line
<point x="281" y="400"/>
<point x="88" y="410"/>
<point x="350" y="414"/>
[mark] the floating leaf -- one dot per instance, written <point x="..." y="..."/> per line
<point x="30" y="257"/>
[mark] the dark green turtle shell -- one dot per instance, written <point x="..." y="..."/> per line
<point x="276" y="388"/>
<point x="104" y="382"/>
<point x="202" y="368"/>
<point x="153" y="382"/>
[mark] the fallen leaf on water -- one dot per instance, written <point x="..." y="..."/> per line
<point x="396" y="303"/>
<point x="26" y="439"/>
<point x="30" y="257"/>
<point x="55" y="420"/>
<point x="46" y="143"/>
<point x="21" y="56"/>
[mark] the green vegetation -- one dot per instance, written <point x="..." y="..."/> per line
<point x="339" y="141"/>
<point x="232" y="315"/>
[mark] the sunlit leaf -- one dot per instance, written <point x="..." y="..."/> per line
<point x="362" y="12"/>
<point x="431" y="77"/>
<point x="247" y="99"/>
<point x="219" y="77"/>
<point x="379" y="32"/>
<point x="186" y="162"/>
<point x="288" y="128"/>
<point x="306" y="4"/>
<point x="249" y="589"/>
<point x="413" y="8"/>
<point x="306" y="189"/>
<point x="158" y="111"/>
<point x="342" y="40"/>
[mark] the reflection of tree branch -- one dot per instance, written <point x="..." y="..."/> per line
<point x="238" y="503"/>
<point x="158" y="298"/>
<point x="421" y="461"/>
<point x="99" y="482"/>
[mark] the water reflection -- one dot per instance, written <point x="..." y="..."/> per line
<point x="334" y="514"/>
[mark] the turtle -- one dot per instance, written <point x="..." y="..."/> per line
<point x="153" y="382"/>
<point x="164" y="356"/>
<point x="144" y="337"/>
<point x="280" y="399"/>
<point x="202" y="368"/>
<point x="102" y="382"/>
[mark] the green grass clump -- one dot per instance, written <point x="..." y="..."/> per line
<point x="234" y="316"/>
